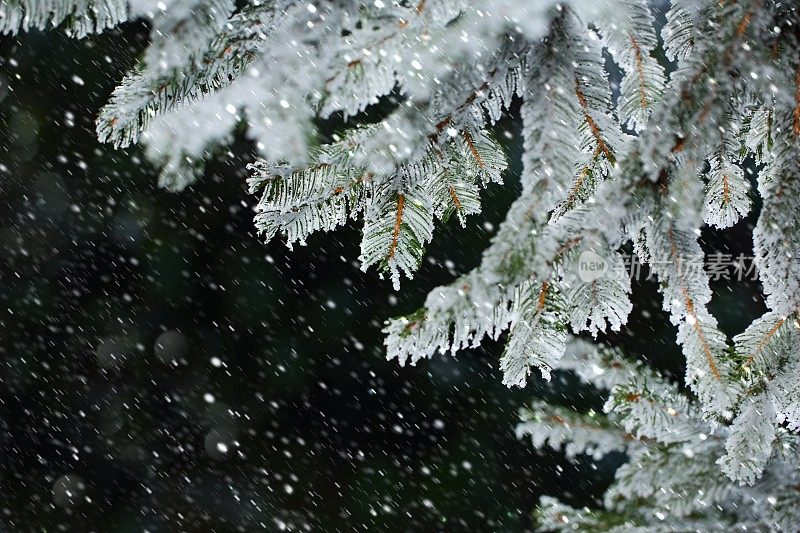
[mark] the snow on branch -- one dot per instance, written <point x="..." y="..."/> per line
<point x="681" y="471"/>
<point x="79" y="17"/>
<point x="416" y="89"/>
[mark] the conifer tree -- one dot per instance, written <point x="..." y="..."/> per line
<point x="702" y="108"/>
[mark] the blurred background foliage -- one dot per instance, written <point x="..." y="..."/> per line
<point x="162" y="369"/>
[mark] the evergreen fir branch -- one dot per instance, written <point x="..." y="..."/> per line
<point x="466" y="166"/>
<point x="145" y="94"/>
<point x="631" y="39"/>
<point x="454" y="68"/>
<point x="300" y="202"/>
<point x="650" y="408"/>
<point x="784" y="389"/>
<point x="669" y="252"/>
<point x="462" y="324"/>
<point x="796" y="111"/>
<point x="181" y="158"/>
<point x="768" y="371"/>
<point x="759" y="138"/>
<point x="776" y="241"/>
<point x="597" y="133"/>
<point x="677" y="480"/>
<point x="673" y="454"/>
<point x="678" y="32"/>
<point x="576" y="433"/>
<point x="537" y="337"/>
<point x="603" y="303"/>
<point x="477" y="304"/>
<point x="552" y="515"/>
<point x="398" y="224"/>
<point x="727" y="200"/>
<point x="370" y="62"/>
<point x="489" y="91"/>
<point x="80" y="17"/>
<point x="582" y="187"/>
<point x="184" y="31"/>
<point x="454" y="317"/>
<point x="694" y="97"/>
<point x="764" y="346"/>
<point x="576" y="150"/>
<point x="602" y="367"/>
<point x="750" y="443"/>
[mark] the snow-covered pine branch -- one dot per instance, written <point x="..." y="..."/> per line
<point x="79" y="17"/>
<point x="652" y="163"/>
<point x="676" y="257"/>
<point x="671" y="479"/>
<point x="151" y="90"/>
<point x="538" y="336"/>
<point x="776" y="241"/>
<point x="557" y="427"/>
<point x="631" y="39"/>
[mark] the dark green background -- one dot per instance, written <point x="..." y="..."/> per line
<point x="322" y="432"/>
